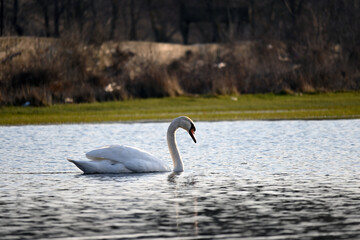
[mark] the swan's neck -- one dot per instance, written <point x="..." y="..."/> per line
<point x="174" y="152"/>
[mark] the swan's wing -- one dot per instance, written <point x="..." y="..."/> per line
<point x="134" y="159"/>
<point x="118" y="154"/>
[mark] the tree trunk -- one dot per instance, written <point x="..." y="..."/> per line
<point x="214" y="23"/>
<point x="1" y="17"/>
<point x="152" y="21"/>
<point x="115" y="8"/>
<point x="46" y="19"/>
<point x="44" y="8"/>
<point x="15" y="24"/>
<point x="133" y="35"/>
<point x="56" y="18"/>
<point x="94" y="18"/>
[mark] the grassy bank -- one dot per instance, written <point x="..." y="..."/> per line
<point x="243" y="107"/>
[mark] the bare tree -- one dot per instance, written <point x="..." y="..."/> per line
<point x="17" y="27"/>
<point x="58" y="10"/>
<point x="44" y="5"/>
<point x="79" y="8"/>
<point x="1" y="17"/>
<point x="132" y="14"/>
<point x="114" y="17"/>
<point x="163" y="20"/>
<point x="94" y="13"/>
<point x="216" y="20"/>
<point x="294" y="8"/>
<point x="133" y="21"/>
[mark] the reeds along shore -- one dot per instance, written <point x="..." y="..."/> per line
<point x="42" y="72"/>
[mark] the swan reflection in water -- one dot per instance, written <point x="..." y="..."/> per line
<point x="173" y="179"/>
<point x="124" y="159"/>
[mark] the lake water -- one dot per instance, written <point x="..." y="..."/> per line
<point x="242" y="180"/>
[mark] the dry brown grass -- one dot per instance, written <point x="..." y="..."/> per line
<point x="47" y="71"/>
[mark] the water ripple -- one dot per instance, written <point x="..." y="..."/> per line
<point x="243" y="180"/>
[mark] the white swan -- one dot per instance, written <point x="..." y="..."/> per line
<point x="123" y="159"/>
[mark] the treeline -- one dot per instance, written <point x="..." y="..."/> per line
<point x="95" y="21"/>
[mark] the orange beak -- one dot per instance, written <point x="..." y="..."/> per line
<point x="192" y="134"/>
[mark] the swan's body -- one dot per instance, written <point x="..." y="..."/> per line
<point x="124" y="159"/>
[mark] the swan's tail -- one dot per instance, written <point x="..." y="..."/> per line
<point x="99" y="166"/>
<point x="79" y="164"/>
<point x="85" y="166"/>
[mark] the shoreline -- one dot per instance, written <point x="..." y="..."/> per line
<point x="264" y="107"/>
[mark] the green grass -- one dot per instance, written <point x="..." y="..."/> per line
<point x="243" y="107"/>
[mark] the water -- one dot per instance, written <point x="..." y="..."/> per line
<point x="242" y="180"/>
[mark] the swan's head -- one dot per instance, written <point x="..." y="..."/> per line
<point x="187" y="124"/>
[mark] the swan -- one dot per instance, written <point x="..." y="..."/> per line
<point x="125" y="159"/>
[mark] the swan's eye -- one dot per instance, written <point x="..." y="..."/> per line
<point x="192" y="128"/>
